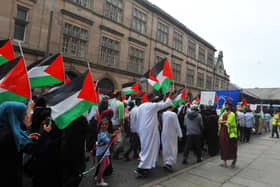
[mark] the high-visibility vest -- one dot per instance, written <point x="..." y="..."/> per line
<point x="231" y="125"/>
<point x="275" y="119"/>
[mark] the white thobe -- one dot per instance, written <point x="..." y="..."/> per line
<point x="133" y="120"/>
<point x="171" y="130"/>
<point x="149" y="133"/>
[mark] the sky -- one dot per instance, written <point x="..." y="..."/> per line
<point x="245" y="30"/>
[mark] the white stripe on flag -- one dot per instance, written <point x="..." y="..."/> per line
<point x="2" y="90"/>
<point x="160" y="77"/>
<point x="38" y="72"/>
<point x="65" y="105"/>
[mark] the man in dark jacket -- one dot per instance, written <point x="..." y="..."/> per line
<point x="194" y="125"/>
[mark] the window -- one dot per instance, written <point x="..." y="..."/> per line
<point x="83" y="3"/>
<point x="139" y="21"/>
<point x="176" y="71"/>
<point x="21" y="21"/>
<point x="136" y="60"/>
<point x="190" y="77"/>
<point x="209" y="82"/>
<point x="217" y="83"/>
<point x="74" y="40"/>
<point x="110" y="51"/>
<point x="210" y="58"/>
<point x="200" y="80"/>
<point x="191" y="49"/>
<point x="114" y="10"/>
<point x="177" y="41"/>
<point x="201" y="55"/>
<point x="162" y="33"/>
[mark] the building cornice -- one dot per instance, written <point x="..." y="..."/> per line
<point x="75" y="16"/>
<point x="162" y="51"/>
<point x="110" y="30"/>
<point x="137" y="41"/>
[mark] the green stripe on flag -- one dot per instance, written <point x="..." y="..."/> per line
<point x="43" y="81"/>
<point x="3" y="60"/>
<point x="129" y="92"/>
<point x="78" y="110"/>
<point x="10" y="96"/>
<point x="177" y="102"/>
<point x="165" y="85"/>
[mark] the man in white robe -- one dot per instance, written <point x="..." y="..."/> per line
<point x="171" y="130"/>
<point x="147" y="117"/>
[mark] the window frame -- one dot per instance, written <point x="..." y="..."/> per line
<point x="113" y="10"/>
<point x="177" y="41"/>
<point x="162" y="33"/>
<point x="21" y="22"/>
<point x="113" y="51"/>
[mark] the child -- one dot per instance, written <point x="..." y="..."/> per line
<point x="103" y="141"/>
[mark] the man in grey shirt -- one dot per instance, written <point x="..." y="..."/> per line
<point x="194" y="125"/>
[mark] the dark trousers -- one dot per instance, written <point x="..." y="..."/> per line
<point x="247" y="134"/>
<point x="242" y="134"/>
<point x="193" y="142"/>
<point x="275" y="130"/>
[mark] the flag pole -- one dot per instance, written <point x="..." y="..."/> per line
<point x="92" y="83"/>
<point x="21" y="53"/>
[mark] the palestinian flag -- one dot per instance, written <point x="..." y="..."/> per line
<point x="144" y="97"/>
<point x="216" y="99"/>
<point x="244" y="104"/>
<point x="130" y="88"/>
<point x="162" y="72"/>
<point x="67" y="79"/>
<point x="14" y="83"/>
<point x="180" y="97"/>
<point x="151" y="80"/>
<point x="47" y="71"/>
<point x="6" y="51"/>
<point x="261" y="113"/>
<point x="71" y="100"/>
<point x="196" y="101"/>
<point x="190" y="102"/>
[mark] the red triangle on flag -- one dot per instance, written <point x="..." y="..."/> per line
<point x="7" y="50"/>
<point x="197" y="99"/>
<point x="190" y="102"/>
<point x="135" y="87"/>
<point x="144" y="97"/>
<point x="56" y="69"/>
<point x="167" y="70"/>
<point x="87" y="91"/>
<point x="67" y="80"/>
<point x="184" y="94"/>
<point x="151" y="77"/>
<point x="16" y="80"/>
<point x="216" y="98"/>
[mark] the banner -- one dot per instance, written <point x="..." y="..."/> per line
<point x="231" y="95"/>
<point x="207" y="98"/>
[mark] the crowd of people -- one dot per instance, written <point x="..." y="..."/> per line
<point x="31" y="143"/>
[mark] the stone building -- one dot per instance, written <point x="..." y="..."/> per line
<point x="120" y="39"/>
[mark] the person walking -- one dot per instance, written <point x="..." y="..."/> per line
<point x="249" y="121"/>
<point x="275" y="122"/>
<point x="267" y="118"/>
<point x="171" y="130"/>
<point x="228" y="136"/>
<point x="194" y="124"/>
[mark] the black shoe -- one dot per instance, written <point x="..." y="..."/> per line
<point x="185" y="161"/>
<point x="168" y="168"/>
<point x="139" y="173"/>
<point x="199" y="160"/>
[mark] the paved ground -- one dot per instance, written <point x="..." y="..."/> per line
<point x="258" y="166"/>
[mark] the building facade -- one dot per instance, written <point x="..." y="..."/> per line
<point x="120" y="39"/>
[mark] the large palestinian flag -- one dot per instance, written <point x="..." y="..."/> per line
<point x="130" y="88"/>
<point x="47" y="71"/>
<point x="14" y="83"/>
<point x="180" y="97"/>
<point x="6" y="51"/>
<point x="151" y="80"/>
<point x="71" y="100"/>
<point x="161" y="74"/>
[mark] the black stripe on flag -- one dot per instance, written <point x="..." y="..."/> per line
<point x="43" y="62"/>
<point x="7" y="67"/>
<point x="65" y="90"/>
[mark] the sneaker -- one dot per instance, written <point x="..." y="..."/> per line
<point x="168" y="167"/>
<point x="102" y="183"/>
<point x="223" y="165"/>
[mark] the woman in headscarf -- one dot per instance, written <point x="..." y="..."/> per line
<point x="14" y="141"/>
<point x="228" y="135"/>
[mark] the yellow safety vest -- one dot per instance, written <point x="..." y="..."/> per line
<point x="275" y="120"/>
<point x="231" y="125"/>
